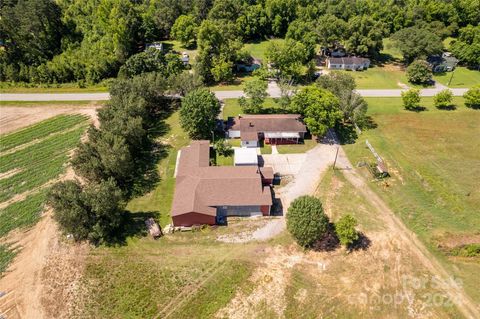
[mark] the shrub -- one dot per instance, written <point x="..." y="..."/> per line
<point x="443" y="99"/>
<point x="306" y="220"/>
<point x="472" y="97"/>
<point x="223" y="148"/>
<point x="419" y="72"/>
<point x="345" y="229"/>
<point x="411" y="99"/>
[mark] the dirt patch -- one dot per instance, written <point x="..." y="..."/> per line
<point x="42" y="279"/>
<point x="10" y="173"/>
<point x="13" y="118"/>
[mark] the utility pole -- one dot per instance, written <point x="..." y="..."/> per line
<point x="449" y="81"/>
<point x="336" y="155"/>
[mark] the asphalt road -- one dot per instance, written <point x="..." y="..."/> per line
<point x="273" y="91"/>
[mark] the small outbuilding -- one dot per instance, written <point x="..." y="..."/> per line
<point x="246" y="157"/>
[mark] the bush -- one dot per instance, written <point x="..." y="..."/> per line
<point x="345" y="229"/>
<point x="472" y="97"/>
<point x="223" y="148"/>
<point x="443" y="99"/>
<point x="306" y="220"/>
<point x="419" y="72"/>
<point x="411" y="99"/>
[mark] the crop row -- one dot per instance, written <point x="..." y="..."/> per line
<point x="40" y="130"/>
<point x="38" y="163"/>
<point x="22" y="214"/>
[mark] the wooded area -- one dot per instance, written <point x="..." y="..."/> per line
<point x="86" y="41"/>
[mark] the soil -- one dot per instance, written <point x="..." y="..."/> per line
<point x="16" y="117"/>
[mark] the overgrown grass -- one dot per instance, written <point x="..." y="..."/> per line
<point x="307" y="145"/>
<point x="461" y="77"/>
<point x="434" y="161"/>
<point x="21" y="214"/>
<point x="37" y="163"/>
<point x="40" y="130"/>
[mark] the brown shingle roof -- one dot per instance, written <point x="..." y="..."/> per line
<point x="200" y="188"/>
<point x="249" y="125"/>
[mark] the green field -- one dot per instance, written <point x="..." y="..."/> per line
<point x="258" y="49"/>
<point x="38" y="163"/>
<point x="460" y="78"/>
<point x="379" y="78"/>
<point x="30" y="158"/>
<point x="434" y="161"/>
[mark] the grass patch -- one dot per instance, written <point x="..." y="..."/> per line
<point x="265" y="148"/>
<point x="390" y="49"/>
<point x="237" y="85"/>
<point x="38" y="163"/>
<point x="178" y="47"/>
<point x="8" y="87"/>
<point x="379" y="77"/>
<point x="232" y="108"/>
<point x="160" y="199"/>
<point x="462" y="78"/>
<point x="6" y="257"/>
<point x="258" y="49"/>
<point x="433" y="159"/>
<point x="224" y="160"/>
<point x="22" y="214"/>
<point x="297" y="148"/>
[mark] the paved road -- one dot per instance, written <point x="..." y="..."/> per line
<point x="273" y="91"/>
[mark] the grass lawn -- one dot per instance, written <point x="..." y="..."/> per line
<point x="177" y="46"/>
<point x="297" y="148"/>
<point x="258" y="49"/>
<point x="7" y="87"/>
<point x="434" y="161"/>
<point x="159" y="201"/>
<point x="237" y="85"/>
<point x="376" y="77"/>
<point x="266" y="149"/>
<point x="224" y="160"/>
<point x="462" y="78"/>
<point x="391" y="50"/>
<point x="232" y="108"/>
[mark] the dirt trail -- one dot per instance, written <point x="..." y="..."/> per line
<point x="464" y="303"/>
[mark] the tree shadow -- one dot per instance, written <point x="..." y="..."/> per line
<point x="329" y="241"/>
<point x="417" y="109"/>
<point x="346" y="133"/>
<point x="362" y="243"/>
<point x="133" y="226"/>
<point x="450" y="107"/>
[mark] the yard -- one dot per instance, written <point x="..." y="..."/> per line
<point x="237" y="84"/>
<point x="380" y="77"/>
<point x="461" y="77"/>
<point x="434" y="162"/>
<point x="258" y="49"/>
<point x="307" y="145"/>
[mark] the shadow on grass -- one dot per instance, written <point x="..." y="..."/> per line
<point x="329" y="242"/>
<point x="133" y="226"/>
<point x="346" y="133"/>
<point x="450" y="107"/>
<point x="362" y="243"/>
<point x="417" y="109"/>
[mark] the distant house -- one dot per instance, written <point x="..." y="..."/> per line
<point x="158" y="46"/>
<point x="248" y="66"/>
<point x="348" y="63"/>
<point x="442" y="63"/>
<point x="272" y="128"/>
<point x="207" y="194"/>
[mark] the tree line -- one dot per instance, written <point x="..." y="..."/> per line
<point x="117" y="161"/>
<point x="43" y="41"/>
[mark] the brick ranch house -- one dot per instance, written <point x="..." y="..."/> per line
<point x="272" y="128"/>
<point x="207" y="194"/>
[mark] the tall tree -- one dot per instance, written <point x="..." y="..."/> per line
<point x="185" y="30"/>
<point x="365" y="36"/>
<point x="419" y="72"/>
<point x="198" y="113"/>
<point x="415" y="42"/>
<point x="467" y="47"/>
<point x="330" y="30"/>
<point x="319" y="107"/>
<point x="256" y="92"/>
